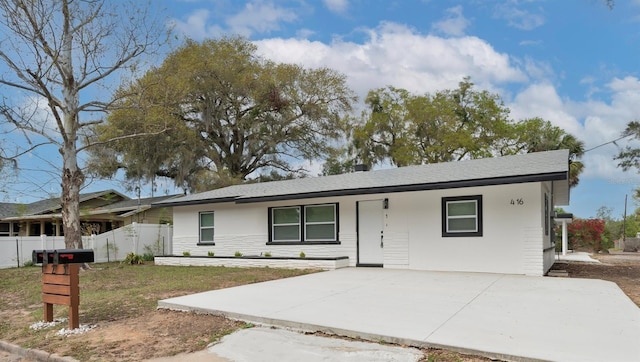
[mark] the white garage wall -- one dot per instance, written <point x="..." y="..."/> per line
<point x="512" y="234"/>
<point x="507" y="229"/>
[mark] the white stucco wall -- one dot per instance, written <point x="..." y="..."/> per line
<point x="512" y="241"/>
<point x="244" y="228"/>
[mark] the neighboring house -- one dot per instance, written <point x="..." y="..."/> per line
<point x="99" y="212"/>
<point x="489" y="215"/>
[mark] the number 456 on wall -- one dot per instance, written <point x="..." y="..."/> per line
<point x="517" y="202"/>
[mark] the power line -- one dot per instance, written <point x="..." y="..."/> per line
<point x="606" y="143"/>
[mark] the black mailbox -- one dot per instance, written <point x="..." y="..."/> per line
<point x="37" y="256"/>
<point x="63" y="256"/>
<point x="72" y="256"/>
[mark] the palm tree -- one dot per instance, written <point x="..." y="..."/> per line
<point x="539" y="135"/>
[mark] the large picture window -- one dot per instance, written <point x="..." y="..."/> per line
<point x="304" y="224"/>
<point x="462" y="216"/>
<point x="207" y="227"/>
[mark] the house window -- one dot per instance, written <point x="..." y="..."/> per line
<point x="320" y="222"/>
<point x="286" y="224"/>
<point x="304" y="224"/>
<point x="462" y="216"/>
<point x="546" y="214"/>
<point x="206" y="228"/>
<point x="4" y="229"/>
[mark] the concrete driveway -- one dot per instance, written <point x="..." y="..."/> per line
<point x="507" y="317"/>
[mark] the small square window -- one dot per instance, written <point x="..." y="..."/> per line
<point x="462" y="216"/>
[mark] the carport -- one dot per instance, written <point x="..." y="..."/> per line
<point x="500" y="316"/>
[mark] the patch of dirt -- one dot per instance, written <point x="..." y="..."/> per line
<point x="618" y="267"/>
<point x="155" y="334"/>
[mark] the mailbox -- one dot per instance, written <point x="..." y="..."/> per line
<point x="72" y="256"/>
<point x="62" y="256"/>
<point x="38" y="256"/>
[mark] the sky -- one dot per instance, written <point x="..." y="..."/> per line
<point x="572" y="62"/>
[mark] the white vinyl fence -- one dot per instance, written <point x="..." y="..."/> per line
<point x="113" y="245"/>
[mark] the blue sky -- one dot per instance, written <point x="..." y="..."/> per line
<point x="572" y="62"/>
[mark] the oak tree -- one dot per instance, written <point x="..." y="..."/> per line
<point x="232" y="113"/>
<point x="402" y="129"/>
<point x="406" y="129"/>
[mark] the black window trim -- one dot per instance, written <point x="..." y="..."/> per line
<point x="272" y="226"/>
<point x="303" y="240"/>
<point x="478" y="200"/>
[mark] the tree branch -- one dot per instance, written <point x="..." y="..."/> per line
<point x="129" y="136"/>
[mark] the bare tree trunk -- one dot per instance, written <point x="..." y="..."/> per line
<point x="72" y="180"/>
<point x="72" y="177"/>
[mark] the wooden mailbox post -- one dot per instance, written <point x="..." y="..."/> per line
<point x="61" y="280"/>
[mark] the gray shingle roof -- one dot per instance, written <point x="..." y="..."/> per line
<point x="132" y="204"/>
<point x="7" y="209"/>
<point x="539" y="166"/>
<point x="50" y="205"/>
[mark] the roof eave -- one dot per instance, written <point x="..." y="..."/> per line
<point x="407" y="188"/>
<point x="196" y="202"/>
<point x="560" y="175"/>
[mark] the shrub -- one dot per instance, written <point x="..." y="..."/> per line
<point x="267" y="254"/>
<point x="210" y="253"/>
<point x="586" y="233"/>
<point x="186" y="253"/>
<point x="147" y="257"/>
<point x="302" y="254"/>
<point x="237" y="254"/>
<point x="133" y="259"/>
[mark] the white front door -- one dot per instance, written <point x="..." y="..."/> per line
<point x="370" y="233"/>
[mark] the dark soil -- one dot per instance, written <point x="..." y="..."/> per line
<point x="618" y="267"/>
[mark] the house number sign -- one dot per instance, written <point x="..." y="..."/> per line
<point x="517" y="202"/>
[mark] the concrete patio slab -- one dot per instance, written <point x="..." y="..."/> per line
<point x="499" y="316"/>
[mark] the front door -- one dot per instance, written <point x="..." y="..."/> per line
<point x="370" y="233"/>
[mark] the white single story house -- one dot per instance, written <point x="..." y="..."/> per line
<point x="491" y="215"/>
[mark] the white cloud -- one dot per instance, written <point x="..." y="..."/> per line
<point x="337" y="6"/>
<point x="397" y="55"/>
<point x="260" y="17"/>
<point x="455" y="23"/>
<point x="531" y="43"/>
<point x="542" y="100"/>
<point x="595" y="122"/>
<point x="539" y="70"/>
<point x="517" y="17"/>
<point x="304" y="33"/>
<point x="195" y="26"/>
<point x="256" y="17"/>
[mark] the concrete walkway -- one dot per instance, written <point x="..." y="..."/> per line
<point x="499" y="316"/>
<point x="577" y="256"/>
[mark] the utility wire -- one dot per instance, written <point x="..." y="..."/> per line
<point x="606" y="143"/>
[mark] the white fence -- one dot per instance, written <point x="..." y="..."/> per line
<point x="113" y="245"/>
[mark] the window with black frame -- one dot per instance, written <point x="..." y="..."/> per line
<point x="462" y="216"/>
<point x="304" y="224"/>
